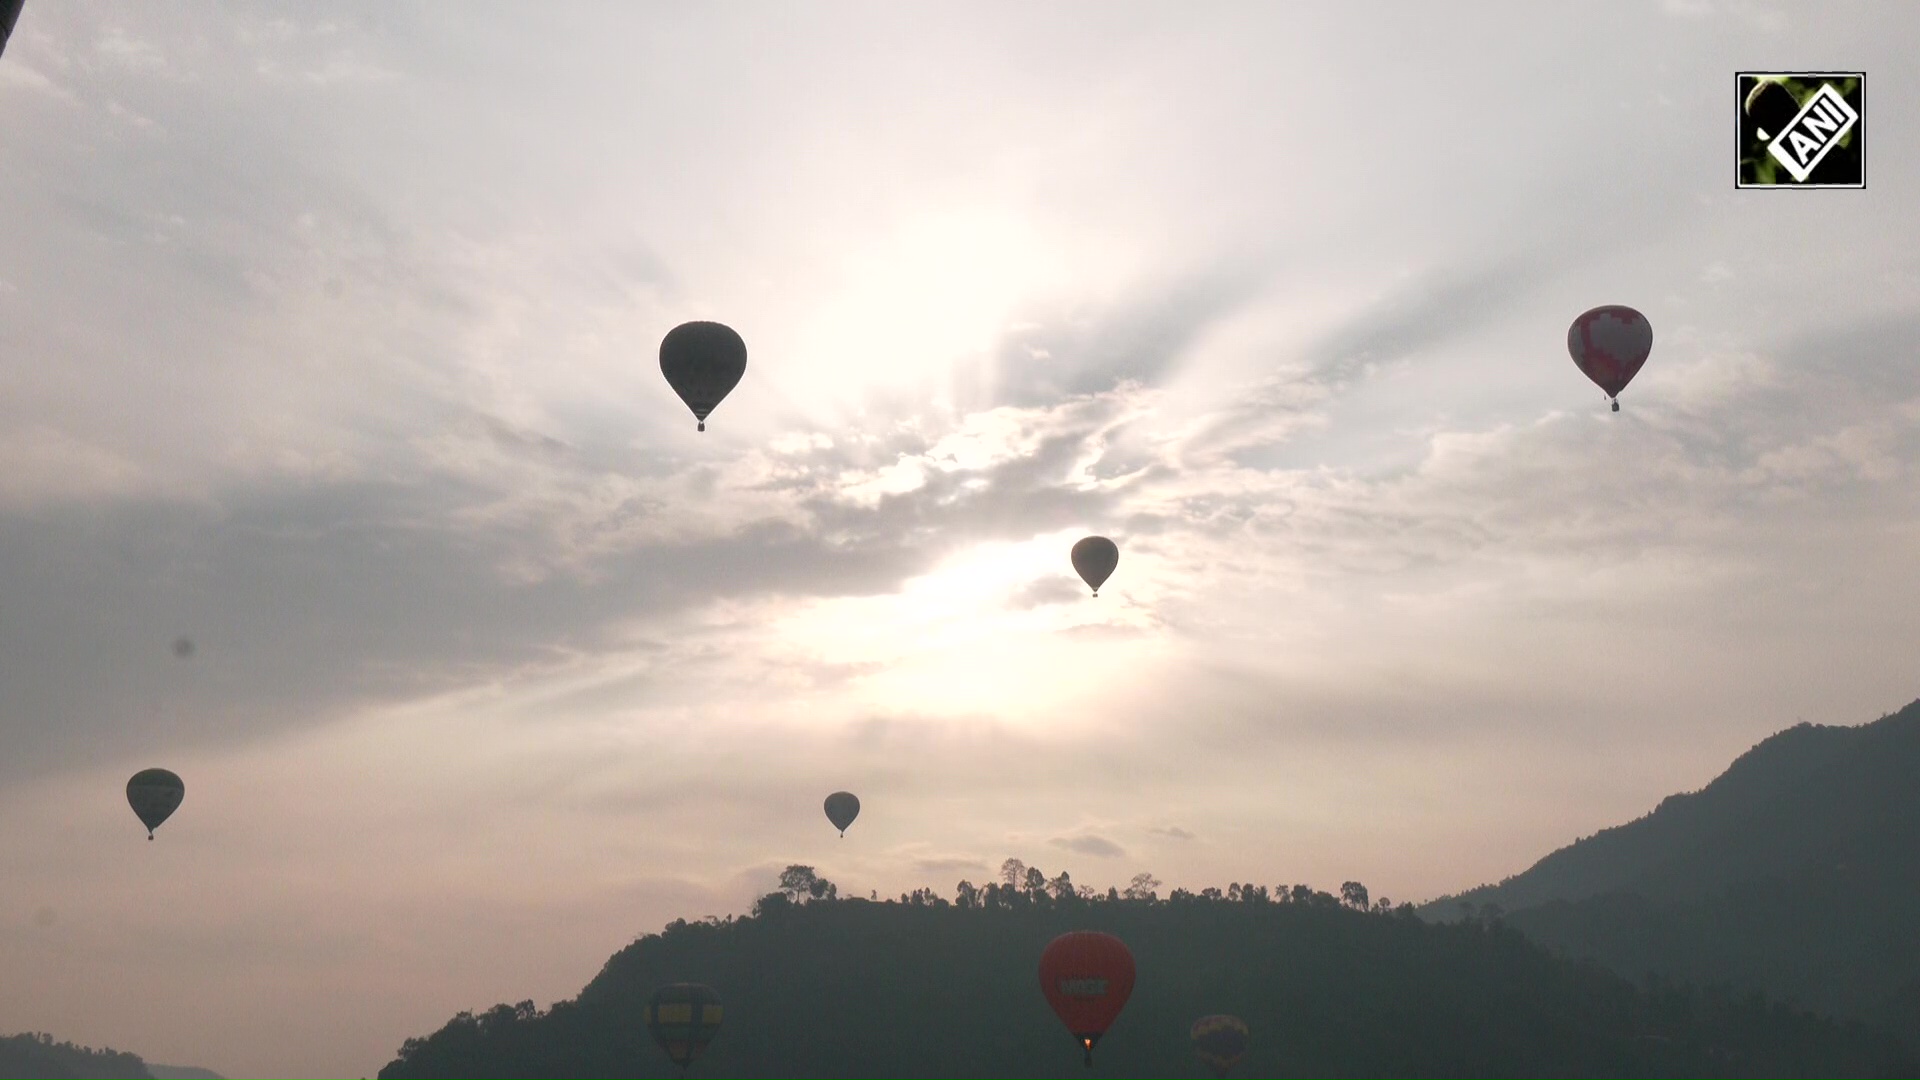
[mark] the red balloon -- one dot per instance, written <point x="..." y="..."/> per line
<point x="1610" y="344"/>
<point x="1087" y="977"/>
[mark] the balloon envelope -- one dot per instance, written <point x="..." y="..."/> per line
<point x="1087" y="977"/>
<point x="154" y="795"/>
<point x="1610" y="344"/>
<point x="1219" y="1042"/>
<point x="1094" y="559"/>
<point x="703" y="362"/>
<point x="9" y="13"/>
<point x="683" y="1018"/>
<point x="842" y="808"/>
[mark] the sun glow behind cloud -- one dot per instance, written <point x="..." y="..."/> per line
<point x="954" y="642"/>
<point x="927" y="293"/>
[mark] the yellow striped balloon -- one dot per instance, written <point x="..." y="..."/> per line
<point x="1219" y="1042"/>
<point x="683" y="1018"/>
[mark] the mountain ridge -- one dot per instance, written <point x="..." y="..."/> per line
<point x="35" y="1054"/>
<point x="856" y="988"/>
<point x="1774" y="785"/>
<point x="1796" y="872"/>
<point x="182" y="1072"/>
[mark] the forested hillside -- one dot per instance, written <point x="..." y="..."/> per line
<point x="1796" y="872"/>
<point x="37" y="1055"/>
<point x="1328" y="986"/>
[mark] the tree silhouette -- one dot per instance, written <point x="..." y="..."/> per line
<point x="797" y="881"/>
<point x="1142" y="887"/>
<point x="1012" y="873"/>
<point x="1062" y="887"/>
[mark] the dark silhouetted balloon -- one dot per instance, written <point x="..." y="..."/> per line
<point x="183" y="647"/>
<point x="1219" y="1042"/>
<point x="9" y="14"/>
<point x="842" y="808"/>
<point x="154" y="795"/>
<point x="1094" y="559"/>
<point x="1087" y="977"/>
<point x="683" y="1018"/>
<point x="1610" y="343"/>
<point x="703" y="362"/>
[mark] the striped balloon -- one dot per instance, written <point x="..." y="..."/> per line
<point x="1219" y="1042"/>
<point x="683" y="1018"/>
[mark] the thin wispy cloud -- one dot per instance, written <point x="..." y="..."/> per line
<point x="1098" y="846"/>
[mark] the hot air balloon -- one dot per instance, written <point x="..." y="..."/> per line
<point x="1094" y="559"/>
<point x="842" y="808"/>
<point x="1087" y="977"/>
<point x="1610" y="343"/>
<point x="683" y="1018"/>
<point x="1219" y="1042"/>
<point x="703" y="362"/>
<point x="154" y="795"/>
<point x="9" y="14"/>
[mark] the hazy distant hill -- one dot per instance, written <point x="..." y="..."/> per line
<point x="860" y="989"/>
<point x="1796" y="871"/>
<point x="37" y="1055"/>
<point x="182" y="1072"/>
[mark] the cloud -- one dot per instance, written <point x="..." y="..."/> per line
<point x="1171" y="832"/>
<point x="949" y="865"/>
<point x="41" y="465"/>
<point x="500" y="552"/>
<point x="1097" y="846"/>
<point x="117" y="47"/>
<point x="1762" y="18"/>
<point x="1044" y="591"/>
<point x="19" y="73"/>
<point x="1439" y="305"/>
<point x="1508" y="495"/>
<point x="1060" y="351"/>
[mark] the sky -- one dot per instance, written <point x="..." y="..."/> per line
<point x="329" y="341"/>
